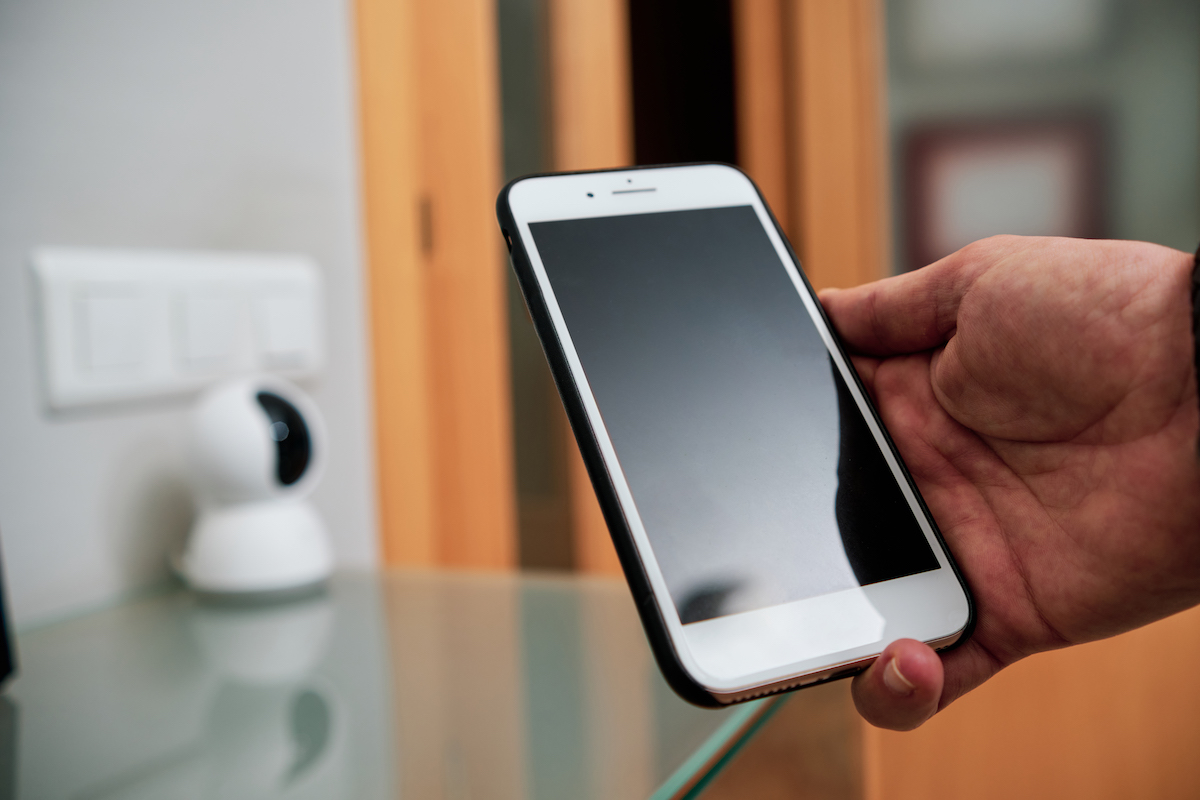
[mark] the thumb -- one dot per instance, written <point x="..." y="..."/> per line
<point x="906" y="313"/>
<point x="902" y="688"/>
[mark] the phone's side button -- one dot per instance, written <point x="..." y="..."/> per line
<point x="507" y="239"/>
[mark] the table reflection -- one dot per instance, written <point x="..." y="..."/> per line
<point x="273" y="730"/>
<point x="413" y="685"/>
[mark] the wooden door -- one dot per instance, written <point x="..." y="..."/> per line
<point x="811" y="128"/>
<point x="429" y="102"/>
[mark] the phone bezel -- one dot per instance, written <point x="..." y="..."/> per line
<point x="932" y="606"/>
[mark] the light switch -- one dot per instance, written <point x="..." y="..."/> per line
<point x="110" y="328"/>
<point x="286" y="327"/>
<point x="122" y="325"/>
<point x="209" y="329"/>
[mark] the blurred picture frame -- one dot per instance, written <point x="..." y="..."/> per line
<point x="964" y="181"/>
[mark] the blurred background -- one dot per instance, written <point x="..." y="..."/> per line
<point x="372" y="136"/>
<point x="1037" y="117"/>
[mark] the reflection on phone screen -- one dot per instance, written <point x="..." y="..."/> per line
<point x="751" y="466"/>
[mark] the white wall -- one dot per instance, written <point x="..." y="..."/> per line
<point x="211" y="124"/>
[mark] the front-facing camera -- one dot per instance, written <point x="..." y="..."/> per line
<point x="591" y="195"/>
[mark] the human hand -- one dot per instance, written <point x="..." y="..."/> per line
<point x="1043" y="394"/>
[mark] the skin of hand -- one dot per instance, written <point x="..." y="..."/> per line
<point x="1043" y="394"/>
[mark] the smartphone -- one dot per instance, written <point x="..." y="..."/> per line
<point x="764" y="520"/>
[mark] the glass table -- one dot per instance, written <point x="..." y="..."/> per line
<point x="401" y="685"/>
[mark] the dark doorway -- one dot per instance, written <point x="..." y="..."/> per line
<point x="683" y="83"/>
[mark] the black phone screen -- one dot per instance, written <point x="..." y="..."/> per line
<point x="750" y="464"/>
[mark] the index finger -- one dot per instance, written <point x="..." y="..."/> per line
<point x="906" y="313"/>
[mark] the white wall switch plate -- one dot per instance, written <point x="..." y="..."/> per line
<point x="121" y="325"/>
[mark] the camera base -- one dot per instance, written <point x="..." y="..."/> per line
<point x="248" y="548"/>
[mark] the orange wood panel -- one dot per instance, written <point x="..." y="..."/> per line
<point x="396" y="281"/>
<point x="759" y="70"/>
<point x="591" y="109"/>
<point x="1113" y="719"/>
<point x="591" y="105"/>
<point x="594" y="551"/>
<point x="839" y="182"/>
<point x="460" y="174"/>
<point x="431" y="150"/>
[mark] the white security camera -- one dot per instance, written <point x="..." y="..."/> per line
<point x="257" y="449"/>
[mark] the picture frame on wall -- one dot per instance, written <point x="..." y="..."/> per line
<point x="964" y="181"/>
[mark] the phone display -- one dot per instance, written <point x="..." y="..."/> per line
<point x="756" y="500"/>
<point x="752" y="469"/>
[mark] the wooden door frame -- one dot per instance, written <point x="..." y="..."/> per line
<point x="812" y="129"/>
<point x="811" y="126"/>
<point x="429" y="111"/>
<point x="592" y="128"/>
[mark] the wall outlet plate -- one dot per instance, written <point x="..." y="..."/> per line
<point x="121" y="325"/>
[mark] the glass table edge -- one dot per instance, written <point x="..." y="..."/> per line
<point x="692" y="776"/>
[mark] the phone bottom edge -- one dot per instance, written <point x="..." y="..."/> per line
<point x="829" y="674"/>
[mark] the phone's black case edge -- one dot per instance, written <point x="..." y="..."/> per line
<point x="651" y="616"/>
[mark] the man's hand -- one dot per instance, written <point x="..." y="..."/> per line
<point x="1043" y="394"/>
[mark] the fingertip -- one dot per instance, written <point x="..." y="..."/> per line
<point x="900" y="691"/>
<point x="827" y="298"/>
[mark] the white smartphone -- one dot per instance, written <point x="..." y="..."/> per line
<point x="765" y="522"/>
